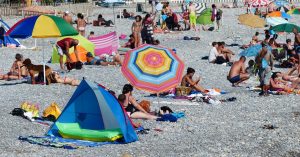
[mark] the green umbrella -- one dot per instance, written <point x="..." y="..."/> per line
<point x="205" y="17"/>
<point x="286" y="27"/>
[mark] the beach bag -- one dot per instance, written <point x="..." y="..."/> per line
<point x="183" y="91"/>
<point x="145" y="105"/>
<point x="52" y="111"/>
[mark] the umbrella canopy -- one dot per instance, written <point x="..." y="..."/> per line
<point x="286" y="27"/>
<point x="273" y="21"/>
<point x="152" y="68"/>
<point x="41" y="26"/>
<point x="252" y="20"/>
<point x="253" y="50"/>
<point x="205" y="17"/>
<point x="259" y="3"/>
<point x="281" y="3"/>
<point x="294" y="11"/>
<point x="279" y="14"/>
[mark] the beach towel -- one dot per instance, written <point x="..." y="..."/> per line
<point x="59" y="142"/>
<point x="106" y="44"/>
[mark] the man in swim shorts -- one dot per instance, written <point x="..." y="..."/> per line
<point x="192" y="11"/>
<point x="237" y="73"/>
<point x="63" y="47"/>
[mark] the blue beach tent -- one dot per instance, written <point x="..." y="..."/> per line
<point x="7" y="39"/>
<point x="93" y="114"/>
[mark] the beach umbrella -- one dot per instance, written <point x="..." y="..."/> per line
<point x="279" y="14"/>
<point x="294" y="11"/>
<point x="281" y="3"/>
<point x="205" y="17"/>
<point x="41" y="26"/>
<point x="286" y="27"/>
<point x="273" y="21"/>
<point x="252" y="20"/>
<point x="253" y="50"/>
<point x="259" y="3"/>
<point x="152" y="68"/>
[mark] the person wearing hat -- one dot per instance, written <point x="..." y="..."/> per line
<point x="67" y="17"/>
<point x="104" y="61"/>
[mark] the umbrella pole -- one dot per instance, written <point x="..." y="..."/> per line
<point x="44" y="65"/>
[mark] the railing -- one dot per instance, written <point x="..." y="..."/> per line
<point x="16" y="9"/>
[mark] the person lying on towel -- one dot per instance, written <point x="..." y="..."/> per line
<point x="104" y="61"/>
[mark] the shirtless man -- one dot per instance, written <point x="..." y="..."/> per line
<point x="237" y="73"/>
<point x="63" y="47"/>
<point x="192" y="14"/>
<point x="67" y="17"/>
<point x="297" y="46"/>
<point x="81" y="23"/>
<point x="187" y="81"/>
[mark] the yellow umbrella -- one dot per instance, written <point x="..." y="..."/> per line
<point x="252" y="20"/>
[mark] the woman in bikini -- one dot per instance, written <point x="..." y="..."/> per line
<point x="56" y="78"/>
<point x="81" y="24"/>
<point x="136" y="30"/>
<point x="17" y="71"/>
<point x="133" y="109"/>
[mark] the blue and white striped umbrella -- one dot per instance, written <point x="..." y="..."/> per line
<point x="281" y="3"/>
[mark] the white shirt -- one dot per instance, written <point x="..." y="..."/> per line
<point x="213" y="53"/>
<point x="159" y="7"/>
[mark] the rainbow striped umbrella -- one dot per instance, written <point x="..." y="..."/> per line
<point x="152" y="68"/>
<point x="41" y="26"/>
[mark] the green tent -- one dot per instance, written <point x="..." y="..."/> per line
<point x="205" y="17"/>
<point x="84" y="46"/>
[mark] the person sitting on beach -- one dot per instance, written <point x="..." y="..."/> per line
<point x="17" y="70"/>
<point x="224" y="55"/>
<point x="237" y="73"/>
<point x="56" y="78"/>
<point x="136" y="29"/>
<point x="213" y="53"/>
<point x="187" y="81"/>
<point x="133" y="109"/>
<point x="81" y="24"/>
<point x="253" y="41"/>
<point x="67" y="17"/>
<point x="290" y="51"/>
<point x="127" y="14"/>
<point x="130" y="43"/>
<point x="103" y="22"/>
<point x="92" y="35"/>
<point x="63" y="47"/>
<point x="104" y="61"/>
<point x="251" y="69"/>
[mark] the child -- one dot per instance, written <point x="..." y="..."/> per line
<point x="130" y="43"/>
<point x="92" y="34"/>
<point x="251" y="68"/>
<point x="136" y="30"/>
